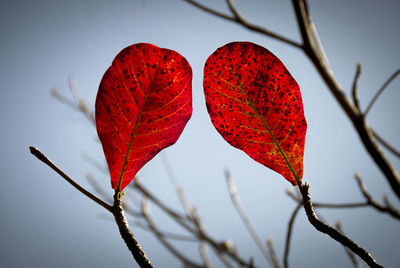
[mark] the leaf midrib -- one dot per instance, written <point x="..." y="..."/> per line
<point x="254" y="107"/>
<point x="118" y="189"/>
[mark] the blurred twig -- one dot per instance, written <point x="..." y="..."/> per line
<point x="289" y="235"/>
<point x="239" y="208"/>
<point x="77" y="103"/>
<point x="161" y="237"/>
<point x="272" y="253"/>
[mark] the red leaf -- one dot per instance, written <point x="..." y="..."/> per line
<point x="255" y="104"/>
<point x="142" y="106"/>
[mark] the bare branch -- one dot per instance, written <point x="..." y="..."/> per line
<point x="386" y="144"/>
<point x="388" y="209"/>
<point x="129" y="238"/>
<point x="198" y="230"/>
<point x="238" y="206"/>
<point x="332" y="232"/>
<point x="354" y="90"/>
<point x="45" y="160"/>
<point x="116" y="210"/>
<point x="351" y="255"/>
<point x="238" y="18"/>
<point x="160" y="236"/>
<point x="319" y="60"/>
<point x="379" y="92"/>
<point x="289" y="235"/>
<point x="314" y="52"/>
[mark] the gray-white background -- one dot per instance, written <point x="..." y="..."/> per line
<point x="44" y="222"/>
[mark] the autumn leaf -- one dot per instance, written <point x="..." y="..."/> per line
<point x="256" y="106"/>
<point x="142" y="106"/>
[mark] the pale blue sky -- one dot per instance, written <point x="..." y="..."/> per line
<point x="47" y="223"/>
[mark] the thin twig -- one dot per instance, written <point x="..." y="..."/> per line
<point x="152" y="225"/>
<point x="239" y="208"/>
<point x="332" y="232"/>
<point x="116" y="210"/>
<point x="328" y="205"/>
<point x="240" y="20"/>
<point x="355" y="86"/>
<point x="47" y="161"/>
<point x="178" y="189"/>
<point x="272" y="253"/>
<point x="351" y="255"/>
<point x="386" y="144"/>
<point x="388" y="209"/>
<point x="81" y="103"/>
<point x="289" y="235"/>
<point x="379" y="92"/>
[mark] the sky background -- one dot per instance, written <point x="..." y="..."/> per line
<point x="47" y="223"/>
